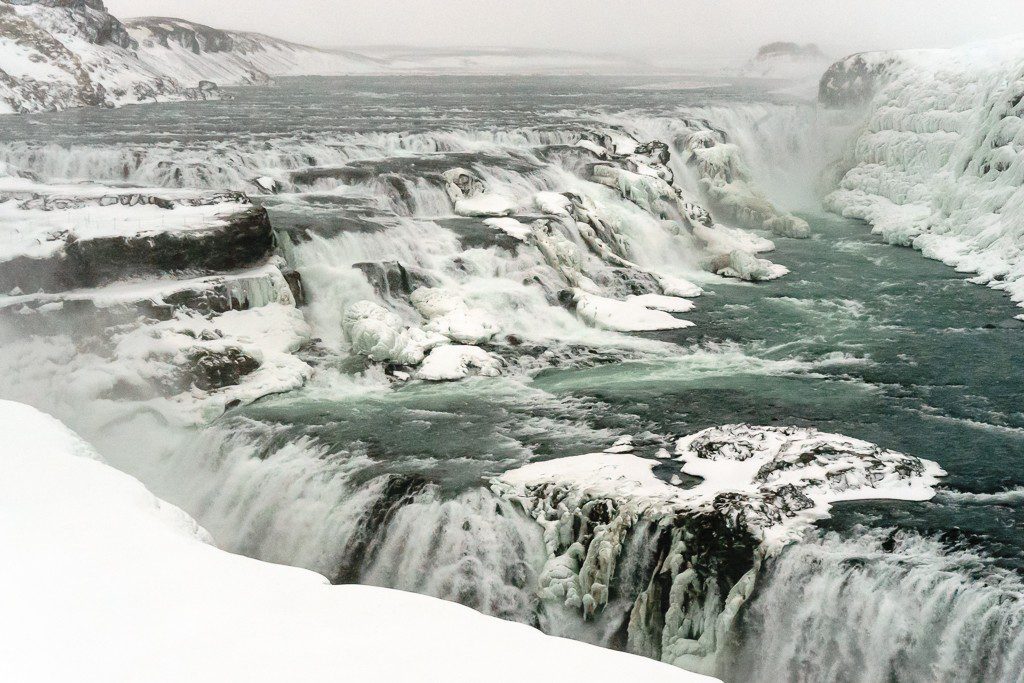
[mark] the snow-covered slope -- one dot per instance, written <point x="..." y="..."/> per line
<point x="191" y="52"/>
<point x="102" y="581"/>
<point x="56" y="54"/>
<point x="938" y="163"/>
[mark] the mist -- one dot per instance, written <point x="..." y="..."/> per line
<point x="658" y="29"/>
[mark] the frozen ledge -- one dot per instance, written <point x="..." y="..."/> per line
<point x="127" y="587"/>
<point x="774" y="481"/>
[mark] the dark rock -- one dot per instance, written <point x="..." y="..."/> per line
<point x="852" y="82"/>
<point x="212" y="370"/>
<point x="245" y="240"/>
<point x="392" y="279"/>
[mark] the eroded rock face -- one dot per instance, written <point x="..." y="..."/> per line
<point x="391" y="279"/>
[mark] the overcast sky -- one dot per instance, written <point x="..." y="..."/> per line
<point x="629" y="26"/>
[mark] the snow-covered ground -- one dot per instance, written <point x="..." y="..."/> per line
<point x="938" y="163"/>
<point x="102" y="581"/>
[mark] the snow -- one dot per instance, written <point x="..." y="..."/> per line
<point x="456" y="361"/>
<point x="127" y="587"/>
<point x="937" y="164"/>
<point x="659" y="302"/>
<point x="778" y="480"/>
<point x="486" y="204"/>
<point x="38" y="233"/>
<point x="624" y="316"/>
<point x="510" y="226"/>
<point x="678" y="287"/>
<point x="448" y="315"/>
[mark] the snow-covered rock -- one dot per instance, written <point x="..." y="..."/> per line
<point x="485" y="204"/>
<point x="470" y="196"/>
<point x="661" y="302"/>
<point x="124" y="611"/>
<point x="774" y="480"/>
<point x="380" y="335"/>
<point x="678" y="287"/>
<point x="448" y="315"/>
<point x="457" y="361"/>
<point x="758" y="489"/>
<point x="938" y="163"/>
<point x="510" y="226"/>
<point x="745" y="266"/>
<point x="626" y="316"/>
<point x="54" y="238"/>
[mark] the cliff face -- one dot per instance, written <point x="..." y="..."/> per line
<point x="938" y="161"/>
<point x="854" y="80"/>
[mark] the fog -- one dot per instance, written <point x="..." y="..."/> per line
<point x="646" y="28"/>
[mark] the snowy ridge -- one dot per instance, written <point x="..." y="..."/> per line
<point x="939" y="162"/>
<point x="56" y="55"/>
<point x="124" y="613"/>
<point x="191" y="53"/>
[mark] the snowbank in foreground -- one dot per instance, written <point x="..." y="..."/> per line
<point x="105" y="582"/>
<point x="939" y="162"/>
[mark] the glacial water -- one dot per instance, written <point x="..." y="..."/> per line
<point x="382" y="484"/>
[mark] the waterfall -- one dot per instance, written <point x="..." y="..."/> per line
<point x="267" y="494"/>
<point x="881" y="607"/>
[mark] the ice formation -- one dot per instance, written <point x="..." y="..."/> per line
<point x="381" y="336"/>
<point x="457" y="361"/>
<point x="759" y="488"/>
<point x="936" y="164"/>
<point x="448" y="315"/>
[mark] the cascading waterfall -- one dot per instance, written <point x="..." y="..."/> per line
<point x="357" y="213"/>
<point x="267" y="494"/>
<point x="881" y="607"/>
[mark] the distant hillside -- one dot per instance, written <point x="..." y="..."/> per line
<point x="192" y="52"/>
<point x="789" y="61"/>
<point x="59" y="54"/>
